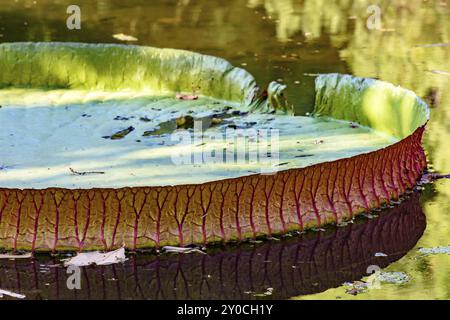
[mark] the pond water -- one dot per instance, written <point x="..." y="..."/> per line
<point x="288" y="41"/>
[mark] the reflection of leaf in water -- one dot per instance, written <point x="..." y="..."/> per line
<point x="395" y="232"/>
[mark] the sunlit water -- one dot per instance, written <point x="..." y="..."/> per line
<point x="284" y="40"/>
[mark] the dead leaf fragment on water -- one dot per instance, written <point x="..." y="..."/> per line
<point x="16" y="256"/>
<point x="268" y="292"/>
<point x="446" y="73"/>
<point x="84" y="173"/>
<point x="393" y="277"/>
<point x="170" y="249"/>
<point x="430" y="177"/>
<point x="120" y="134"/>
<point x="380" y="254"/>
<point x="11" y="294"/>
<point x="435" y="250"/>
<point x="186" y="97"/>
<point x="124" y="37"/>
<point x="356" y="287"/>
<point x="96" y="258"/>
<point x="432" y="45"/>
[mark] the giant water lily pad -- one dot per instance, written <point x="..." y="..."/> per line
<point x="91" y="158"/>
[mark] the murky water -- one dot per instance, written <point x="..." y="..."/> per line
<point x="286" y="40"/>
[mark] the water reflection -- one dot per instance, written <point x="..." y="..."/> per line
<point x="297" y="266"/>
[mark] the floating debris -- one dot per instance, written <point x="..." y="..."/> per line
<point x="120" y="134"/>
<point x="216" y="121"/>
<point x="85" y="173"/>
<point x="16" y="256"/>
<point x="433" y="97"/>
<point x="185" y="122"/>
<point x="311" y="74"/>
<point x="304" y="156"/>
<point x="357" y="287"/>
<point x="380" y="254"/>
<point x="281" y="164"/>
<point x="430" y="177"/>
<point x="387" y="30"/>
<point x="120" y="118"/>
<point x="370" y="216"/>
<point x="96" y="258"/>
<point x="49" y="266"/>
<point x="393" y="277"/>
<point x="11" y="294"/>
<point x="145" y="119"/>
<point x="124" y="37"/>
<point x="435" y="250"/>
<point x="186" y="97"/>
<point x="254" y="241"/>
<point x="171" y="249"/>
<point x="268" y="292"/>
<point x="446" y="73"/>
<point x="432" y="45"/>
<point x="344" y="224"/>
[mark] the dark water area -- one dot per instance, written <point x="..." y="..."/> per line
<point x="301" y="265"/>
<point x="289" y="41"/>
